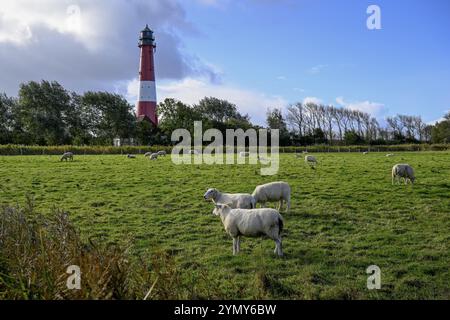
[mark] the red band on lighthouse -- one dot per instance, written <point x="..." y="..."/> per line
<point x="146" y="103"/>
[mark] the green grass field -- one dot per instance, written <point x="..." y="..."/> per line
<point x="345" y="216"/>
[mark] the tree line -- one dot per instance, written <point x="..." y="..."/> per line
<point x="45" y="113"/>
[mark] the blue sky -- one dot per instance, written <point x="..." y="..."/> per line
<point x="257" y="54"/>
<point x="323" y="49"/>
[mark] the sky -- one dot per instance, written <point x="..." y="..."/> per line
<point x="258" y="54"/>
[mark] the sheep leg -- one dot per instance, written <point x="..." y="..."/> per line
<point x="238" y="244"/>
<point x="288" y="205"/>
<point x="280" y="207"/>
<point x="234" y="246"/>
<point x="278" y="247"/>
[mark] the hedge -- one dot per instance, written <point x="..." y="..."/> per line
<point x="58" y="150"/>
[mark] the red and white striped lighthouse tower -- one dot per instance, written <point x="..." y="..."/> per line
<point x="146" y="104"/>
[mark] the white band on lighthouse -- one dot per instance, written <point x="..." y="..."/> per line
<point x="147" y="91"/>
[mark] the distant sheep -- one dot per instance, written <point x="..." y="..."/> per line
<point x="274" y="191"/>
<point x="67" y="156"/>
<point x="365" y="152"/>
<point x="251" y="223"/>
<point x="234" y="200"/>
<point x="390" y="155"/>
<point x="131" y="156"/>
<point x="310" y="160"/>
<point x="147" y="154"/>
<point x="244" y="154"/>
<point x="193" y="152"/>
<point x="153" y="156"/>
<point x="162" y="153"/>
<point x="404" y="171"/>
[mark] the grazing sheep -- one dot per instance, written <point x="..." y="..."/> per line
<point x="153" y="156"/>
<point x="234" y="200"/>
<point x="274" y="191"/>
<point x="251" y="223"/>
<point x="147" y="154"/>
<point x="131" y="156"/>
<point x="365" y="152"/>
<point x="311" y="160"/>
<point x="244" y="154"/>
<point x="404" y="171"/>
<point x="67" y="156"/>
<point x="390" y="155"/>
<point x="263" y="160"/>
<point x="162" y="153"/>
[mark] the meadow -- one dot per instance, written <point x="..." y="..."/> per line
<point x="345" y="216"/>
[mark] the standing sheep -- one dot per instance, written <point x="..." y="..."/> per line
<point x="147" y="154"/>
<point x="67" y="156"/>
<point x="251" y="223"/>
<point x="274" y="191"/>
<point x="311" y="160"/>
<point x="234" y="200"/>
<point x="404" y="171"/>
<point x="131" y="156"/>
<point x="153" y="156"/>
<point x="162" y="153"/>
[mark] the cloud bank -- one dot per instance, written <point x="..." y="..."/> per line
<point x="89" y="45"/>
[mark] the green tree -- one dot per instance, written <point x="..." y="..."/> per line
<point x="275" y="120"/>
<point x="440" y="133"/>
<point x="41" y="111"/>
<point x="351" y="137"/>
<point x="7" y="106"/>
<point x="176" y="115"/>
<point x="107" y="116"/>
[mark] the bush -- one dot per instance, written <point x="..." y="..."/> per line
<point x="35" y="252"/>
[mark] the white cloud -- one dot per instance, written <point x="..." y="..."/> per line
<point x="314" y="100"/>
<point x="375" y="109"/>
<point x="192" y="90"/>
<point x="281" y="78"/>
<point x="317" y="69"/>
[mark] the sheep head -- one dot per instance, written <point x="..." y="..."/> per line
<point x="210" y="194"/>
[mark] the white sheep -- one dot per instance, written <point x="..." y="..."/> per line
<point x="162" y="153"/>
<point x="193" y="152"/>
<point x="153" y="156"/>
<point x="404" y="171"/>
<point x="234" y="200"/>
<point x="311" y="160"/>
<point x="274" y="191"/>
<point x="131" y="156"/>
<point x="251" y="223"/>
<point x="67" y="156"/>
<point x="147" y="154"/>
<point x="365" y="152"/>
<point x="243" y="154"/>
<point x="390" y="155"/>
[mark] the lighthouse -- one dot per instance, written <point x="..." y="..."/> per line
<point x="146" y="103"/>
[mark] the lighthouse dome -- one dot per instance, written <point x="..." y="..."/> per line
<point x="146" y="37"/>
